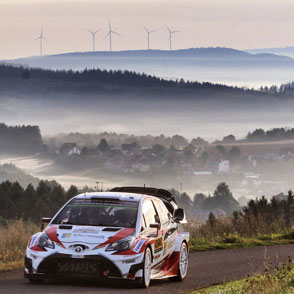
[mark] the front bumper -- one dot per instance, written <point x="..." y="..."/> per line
<point x="92" y="266"/>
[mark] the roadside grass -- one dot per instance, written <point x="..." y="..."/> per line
<point x="225" y="234"/>
<point x="14" y="237"/>
<point x="234" y="241"/>
<point x="276" y="281"/>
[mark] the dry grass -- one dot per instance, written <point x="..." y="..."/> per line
<point x="277" y="281"/>
<point x="13" y="240"/>
<point x="224" y="234"/>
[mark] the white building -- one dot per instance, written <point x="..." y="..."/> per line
<point x="224" y="166"/>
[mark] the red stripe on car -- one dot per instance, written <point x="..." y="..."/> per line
<point x="52" y="234"/>
<point x="121" y="234"/>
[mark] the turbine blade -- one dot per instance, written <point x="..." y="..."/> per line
<point x="97" y="31"/>
<point x="90" y="31"/>
<point x="109" y="25"/>
<point x="107" y="35"/>
<point x="168" y="28"/>
<point x="38" y="38"/>
<point x="113" y="32"/>
<point x="146" y="29"/>
<point x="152" y="31"/>
<point x="45" y="39"/>
<point x="173" y="32"/>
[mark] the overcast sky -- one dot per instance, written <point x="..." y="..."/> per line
<point x="240" y="24"/>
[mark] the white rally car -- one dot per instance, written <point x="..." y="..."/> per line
<point x="130" y="233"/>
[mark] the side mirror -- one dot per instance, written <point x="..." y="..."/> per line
<point x="45" y="221"/>
<point x="179" y="215"/>
<point x="154" y="233"/>
<point x="155" y="226"/>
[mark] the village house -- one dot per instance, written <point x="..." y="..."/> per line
<point x="69" y="149"/>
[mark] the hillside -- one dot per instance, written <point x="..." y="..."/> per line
<point x="20" y="82"/>
<point x="218" y="65"/>
<point x="283" y="51"/>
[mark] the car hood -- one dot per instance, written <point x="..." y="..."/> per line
<point x="62" y="234"/>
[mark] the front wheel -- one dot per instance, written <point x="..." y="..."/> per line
<point x="145" y="281"/>
<point x="183" y="263"/>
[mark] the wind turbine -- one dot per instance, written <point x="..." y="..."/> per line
<point x="148" y="37"/>
<point x="109" y="34"/>
<point x="94" y="37"/>
<point x="41" y="38"/>
<point x="170" y="36"/>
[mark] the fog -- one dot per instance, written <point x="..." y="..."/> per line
<point x="208" y="119"/>
<point x="217" y="65"/>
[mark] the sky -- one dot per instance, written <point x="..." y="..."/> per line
<point x="239" y="24"/>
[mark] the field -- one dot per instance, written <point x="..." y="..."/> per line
<point x="247" y="148"/>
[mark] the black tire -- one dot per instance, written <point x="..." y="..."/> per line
<point x="183" y="263"/>
<point x="144" y="282"/>
<point x="36" y="280"/>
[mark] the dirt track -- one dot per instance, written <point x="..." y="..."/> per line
<point x="205" y="268"/>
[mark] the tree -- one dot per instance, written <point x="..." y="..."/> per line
<point x="211" y="220"/>
<point x="158" y="149"/>
<point x="229" y="139"/>
<point x="103" y="146"/>
<point x="198" y="141"/>
<point x="198" y="200"/>
<point x="234" y="153"/>
<point x="26" y="74"/>
<point x="223" y="199"/>
<point x="185" y="200"/>
<point x="221" y="149"/>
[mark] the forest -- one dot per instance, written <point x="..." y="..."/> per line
<point x="20" y="139"/>
<point x="32" y="82"/>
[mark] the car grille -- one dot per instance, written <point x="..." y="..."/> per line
<point x="93" y="265"/>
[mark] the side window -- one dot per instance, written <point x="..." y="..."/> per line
<point x="149" y="213"/>
<point x="163" y="212"/>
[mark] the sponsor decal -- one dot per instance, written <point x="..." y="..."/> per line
<point x="139" y="246"/>
<point x="82" y="268"/>
<point x="165" y="244"/>
<point x="94" y="236"/>
<point x="87" y="230"/>
<point x="66" y="235"/>
<point x="156" y="256"/>
<point x="77" y="256"/>
<point x="158" y="245"/>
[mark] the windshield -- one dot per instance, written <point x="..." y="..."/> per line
<point x="99" y="212"/>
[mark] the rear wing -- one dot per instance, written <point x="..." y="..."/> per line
<point x="164" y="195"/>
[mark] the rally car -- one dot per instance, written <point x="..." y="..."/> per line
<point x="129" y="233"/>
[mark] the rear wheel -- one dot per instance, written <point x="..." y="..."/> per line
<point x="145" y="281"/>
<point x="183" y="263"/>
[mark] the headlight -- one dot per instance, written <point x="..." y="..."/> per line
<point x="45" y="242"/>
<point x="123" y="244"/>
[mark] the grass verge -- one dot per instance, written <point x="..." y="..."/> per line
<point x="277" y="281"/>
<point x="13" y="240"/>
<point x="235" y="241"/>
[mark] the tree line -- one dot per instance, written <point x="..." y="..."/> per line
<point x="32" y="203"/>
<point x="20" y="139"/>
<point x="259" y="216"/>
<point x="112" y="77"/>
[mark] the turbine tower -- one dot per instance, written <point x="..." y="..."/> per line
<point x="148" y="37"/>
<point x="94" y="37"/>
<point x="41" y="38"/>
<point x="109" y="34"/>
<point x="170" y="36"/>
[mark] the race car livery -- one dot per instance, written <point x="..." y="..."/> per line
<point x="127" y="233"/>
